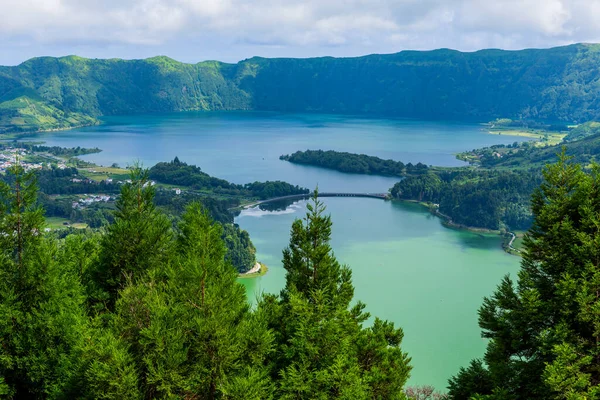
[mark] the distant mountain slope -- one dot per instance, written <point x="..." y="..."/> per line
<point x="558" y="84"/>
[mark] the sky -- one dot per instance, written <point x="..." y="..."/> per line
<point x="233" y="30"/>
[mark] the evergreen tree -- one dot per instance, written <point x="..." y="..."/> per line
<point x="138" y="239"/>
<point x="545" y="331"/>
<point x="188" y="323"/>
<point x="41" y="300"/>
<point x="322" y="349"/>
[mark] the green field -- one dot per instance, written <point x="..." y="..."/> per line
<point x="102" y="173"/>
<point x="544" y="138"/>
<point x="59" y="223"/>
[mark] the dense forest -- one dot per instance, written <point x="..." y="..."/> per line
<point x="354" y="163"/>
<point x="558" y="84"/>
<point x="182" y="174"/>
<point x="490" y="199"/>
<point x="144" y="310"/>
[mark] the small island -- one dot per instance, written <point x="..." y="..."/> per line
<point x="354" y="163"/>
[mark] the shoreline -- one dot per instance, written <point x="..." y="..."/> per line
<point x="18" y="135"/>
<point x="258" y="270"/>
<point x="447" y="222"/>
<point x="547" y="137"/>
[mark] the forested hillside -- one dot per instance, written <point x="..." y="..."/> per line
<point x="475" y="198"/>
<point x="558" y="84"/>
<point x="182" y="174"/>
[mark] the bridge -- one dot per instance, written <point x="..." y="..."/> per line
<point x="382" y="196"/>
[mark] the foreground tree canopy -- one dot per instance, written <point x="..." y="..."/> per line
<point x="148" y="310"/>
<point x="544" y="329"/>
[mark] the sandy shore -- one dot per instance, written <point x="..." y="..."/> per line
<point x="253" y="270"/>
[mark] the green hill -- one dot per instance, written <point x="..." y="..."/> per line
<point x="558" y="84"/>
<point x="27" y="114"/>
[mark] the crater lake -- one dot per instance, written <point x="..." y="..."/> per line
<point x="407" y="267"/>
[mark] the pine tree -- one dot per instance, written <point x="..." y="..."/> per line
<point x="188" y="323"/>
<point x="138" y="239"/>
<point x="41" y="299"/>
<point x="322" y="349"/>
<point x="545" y="331"/>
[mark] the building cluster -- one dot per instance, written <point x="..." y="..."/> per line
<point x="90" y="199"/>
<point x="10" y="155"/>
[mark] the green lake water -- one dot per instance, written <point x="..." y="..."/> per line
<point x="407" y="267"/>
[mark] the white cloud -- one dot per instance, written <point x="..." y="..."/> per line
<point x="287" y="27"/>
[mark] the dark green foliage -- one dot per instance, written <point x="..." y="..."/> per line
<point x="322" y="350"/>
<point x="60" y="181"/>
<point x="138" y="239"/>
<point x="490" y="199"/>
<point x="354" y="163"/>
<point x="141" y="311"/>
<point x="54" y="150"/>
<point x="240" y="250"/>
<point x="182" y="174"/>
<point x="175" y="204"/>
<point x="473" y="379"/>
<point x="506" y="123"/>
<point x="558" y="84"/>
<point x="41" y="300"/>
<point x="544" y="331"/>
<point x="188" y="323"/>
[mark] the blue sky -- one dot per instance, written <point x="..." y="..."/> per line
<point x="231" y="30"/>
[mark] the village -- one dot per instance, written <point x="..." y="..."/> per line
<point x="11" y="155"/>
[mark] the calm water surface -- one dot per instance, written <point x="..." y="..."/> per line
<point x="407" y="267"/>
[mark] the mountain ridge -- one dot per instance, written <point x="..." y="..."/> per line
<point x="556" y="84"/>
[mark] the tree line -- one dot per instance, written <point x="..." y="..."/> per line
<point x="146" y="310"/>
<point x="490" y="199"/>
<point x="54" y="150"/>
<point x="180" y="173"/>
<point x="543" y="329"/>
<point x="354" y="163"/>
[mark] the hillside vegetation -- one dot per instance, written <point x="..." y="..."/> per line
<point x="558" y="84"/>
<point x="354" y="163"/>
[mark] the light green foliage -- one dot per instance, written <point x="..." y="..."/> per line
<point x="25" y="114"/>
<point x="583" y="130"/>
